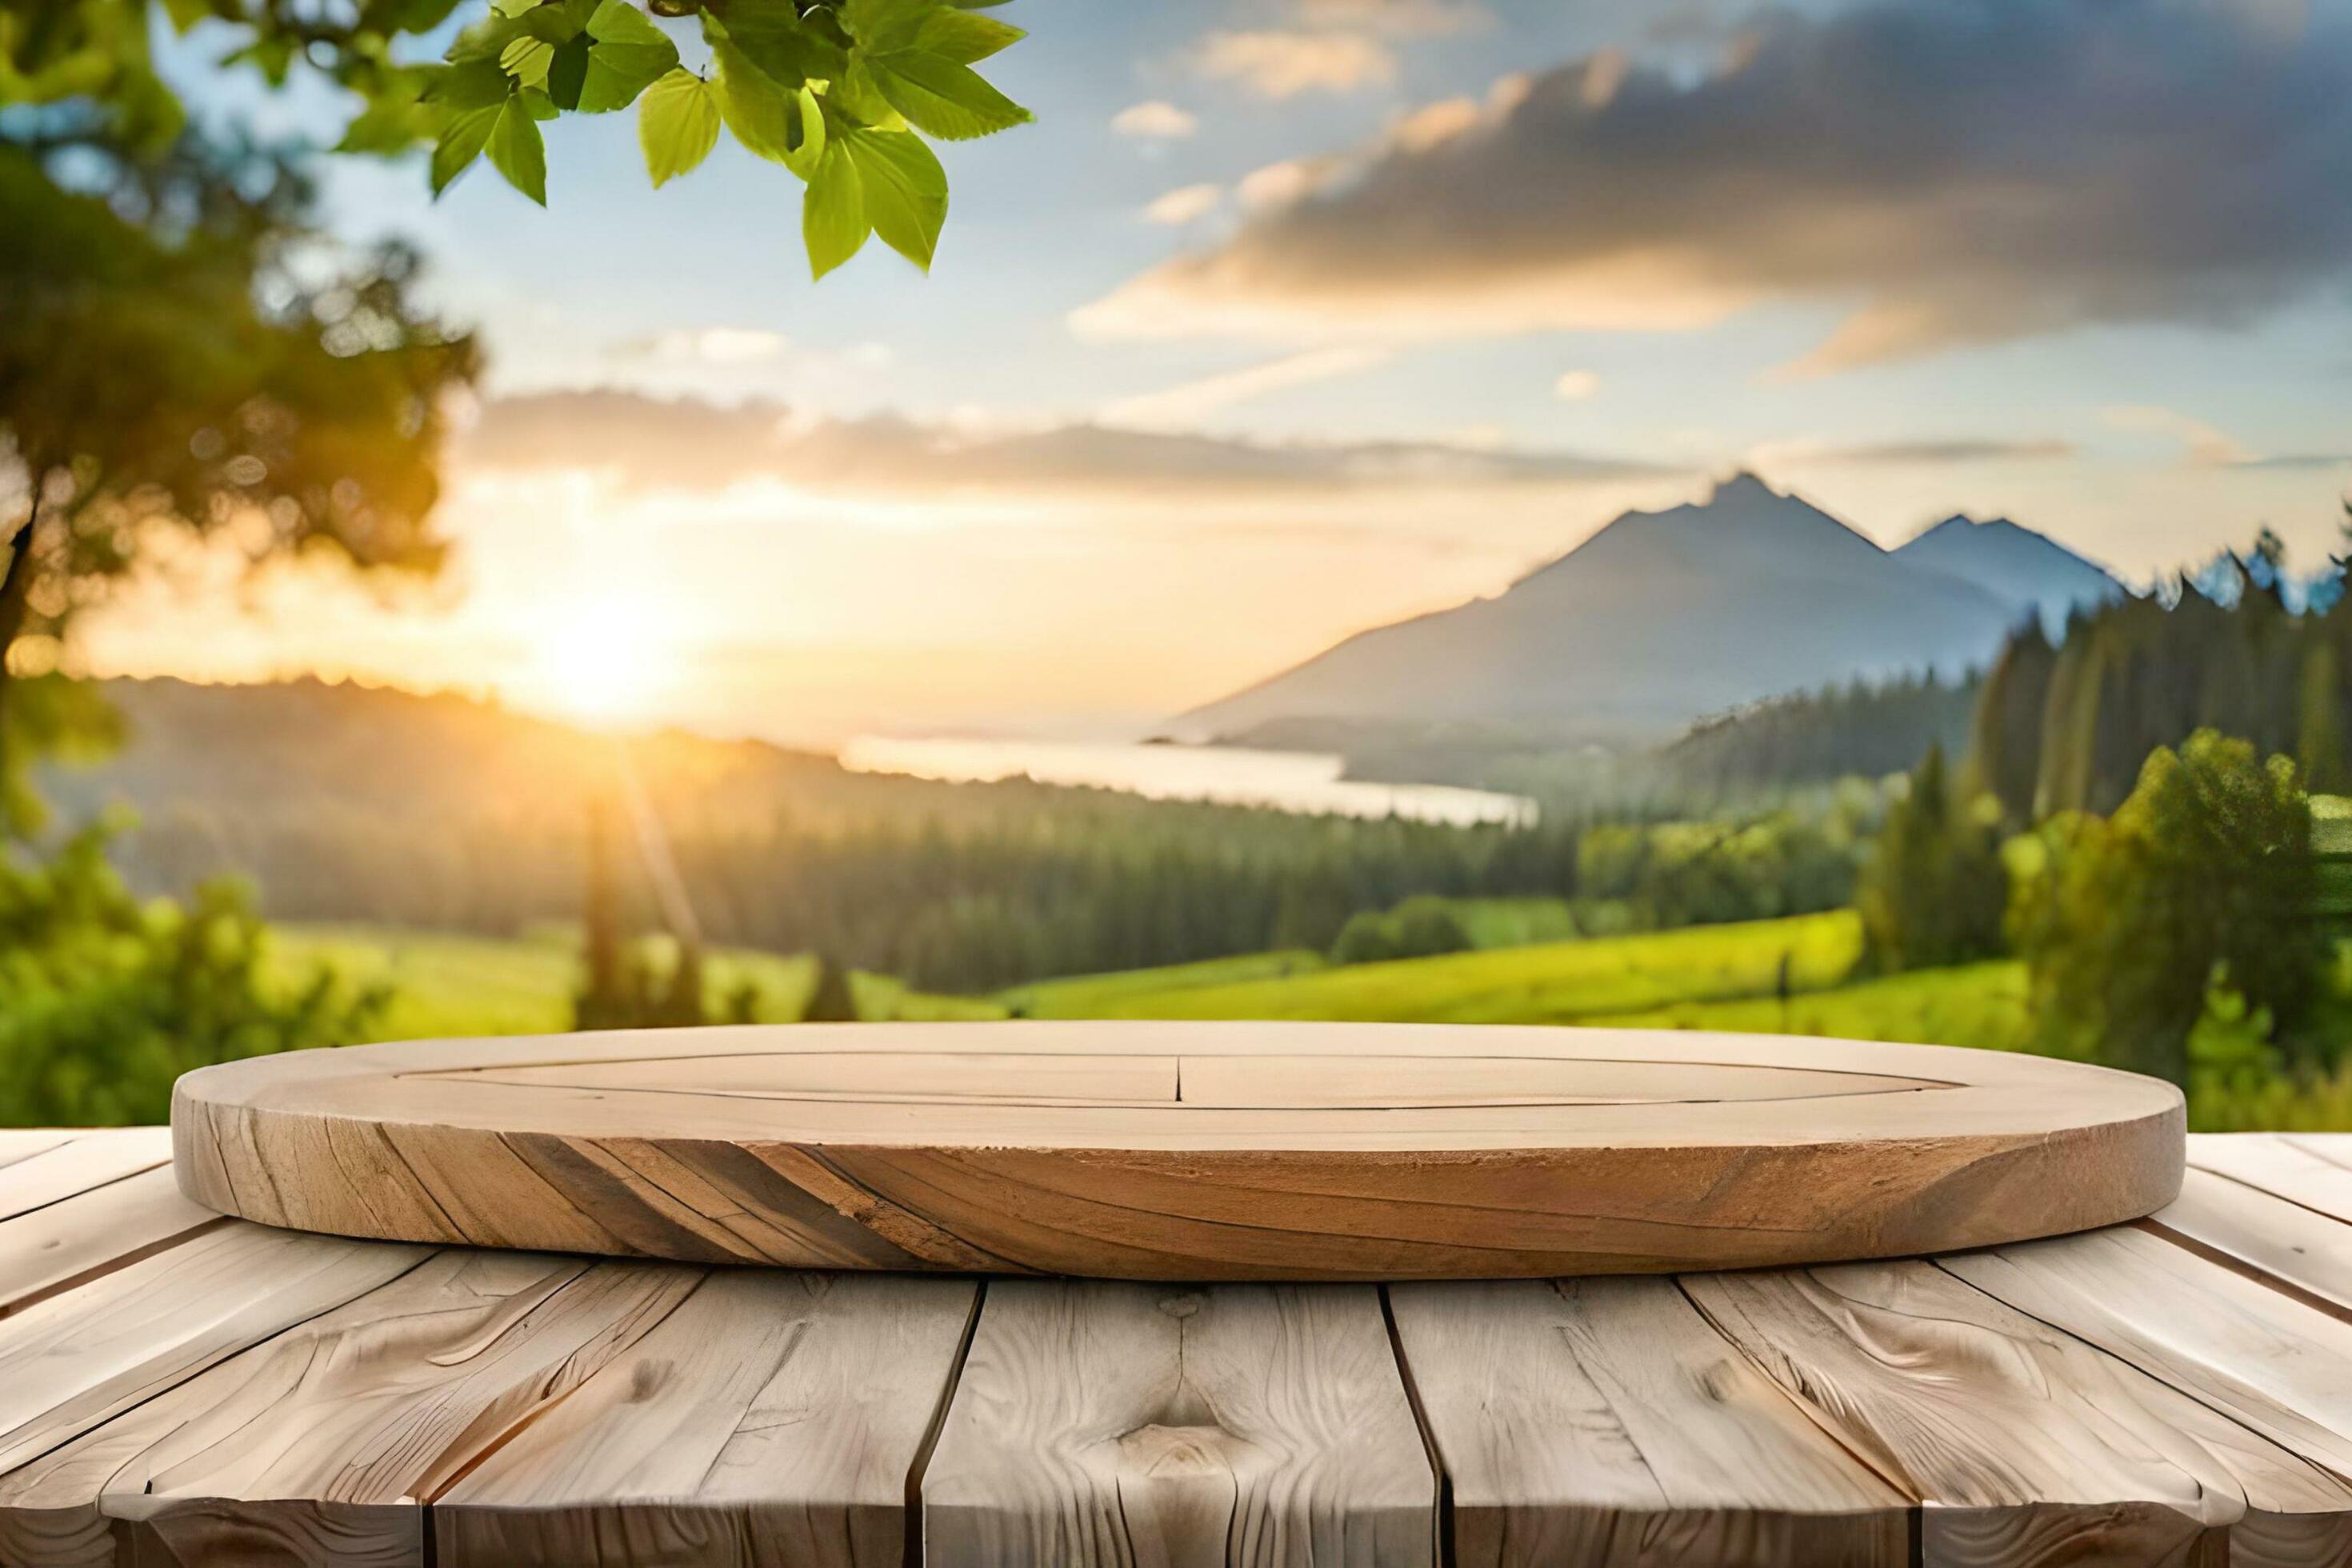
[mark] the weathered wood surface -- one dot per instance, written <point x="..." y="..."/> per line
<point x="2177" y="1391"/>
<point x="1107" y="1423"/>
<point x="1601" y="1422"/>
<point x="773" y="1417"/>
<point x="1182" y="1152"/>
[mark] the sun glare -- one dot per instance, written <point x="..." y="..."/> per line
<point x="601" y="661"/>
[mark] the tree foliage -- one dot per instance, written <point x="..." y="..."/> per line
<point x="1935" y="890"/>
<point x="842" y="95"/>
<point x="199" y="365"/>
<point x="105" y="999"/>
<point x="2068" y="729"/>
<point x="1422" y="927"/>
<point x="2202" y="878"/>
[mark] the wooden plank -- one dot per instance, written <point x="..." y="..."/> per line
<point x="2297" y="1169"/>
<point x="1255" y="1150"/>
<point x="2273" y="1364"/>
<point x="1099" y="1423"/>
<point x="774" y="1418"/>
<point x="106" y="1227"/>
<point x="317" y="1446"/>
<point x="2295" y="1247"/>
<point x="1586" y="1424"/>
<point x="75" y="1360"/>
<point x="108" y="1154"/>
<point x="2025" y="1445"/>
<point x="18" y="1142"/>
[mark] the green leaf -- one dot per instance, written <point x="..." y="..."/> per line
<point x="387" y="128"/>
<point x="887" y="24"/>
<point x="461" y="142"/>
<point x="484" y="41"/>
<point x="527" y="60"/>
<point x="791" y="50"/>
<point x="473" y="84"/>
<point x="964" y="37"/>
<point x="629" y="55"/>
<point x="517" y="151"/>
<point x="559" y="24"/>
<point x="567" y="74"/>
<point x="678" y="124"/>
<point x="785" y="125"/>
<point x="905" y="190"/>
<point x="950" y="101"/>
<point x="856" y="99"/>
<point x="834" y="225"/>
<point x="511" y="8"/>
<point x="618" y="22"/>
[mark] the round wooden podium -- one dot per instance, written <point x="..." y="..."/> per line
<point x="1154" y="1151"/>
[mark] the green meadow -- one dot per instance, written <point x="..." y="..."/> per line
<point x="440" y="984"/>
<point x="1544" y="983"/>
<point x="1796" y="975"/>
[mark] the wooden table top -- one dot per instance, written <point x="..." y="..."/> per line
<point x="1184" y="1151"/>
<point x="181" y="1388"/>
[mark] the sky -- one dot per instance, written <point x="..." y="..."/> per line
<point x="1292" y="317"/>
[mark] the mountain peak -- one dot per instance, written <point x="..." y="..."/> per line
<point x="1745" y="484"/>
<point x="2031" y="570"/>
<point x="1655" y="619"/>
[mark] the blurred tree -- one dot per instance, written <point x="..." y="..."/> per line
<point x="201" y="366"/>
<point x="1935" y="891"/>
<point x="832" y="999"/>
<point x="105" y="1000"/>
<point x="2202" y="878"/>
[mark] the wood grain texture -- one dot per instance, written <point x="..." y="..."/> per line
<point x="109" y="1226"/>
<point x="773" y="1419"/>
<point x="1098" y="1422"/>
<point x="2315" y="1171"/>
<point x="1588" y="1424"/>
<point x="317" y="1446"/>
<point x="2025" y="1445"/>
<point x="2272" y="1363"/>
<point x="17" y="1143"/>
<point x="2294" y="1247"/>
<point x="76" y="1359"/>
<point x="1182" y="1151"/>
<point x="79" y="1163"/>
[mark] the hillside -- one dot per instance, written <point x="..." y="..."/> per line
<point x="1664" y="616"/>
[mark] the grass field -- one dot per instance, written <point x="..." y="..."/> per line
<point x="1551" y="983"/>
<point x="1980" y="1004"/>
<point x="444" y="985"/>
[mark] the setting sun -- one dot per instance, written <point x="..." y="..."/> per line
<point x="600" y="660"/>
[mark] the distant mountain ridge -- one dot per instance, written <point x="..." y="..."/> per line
<point x="1662" y="618"/>
<point x="2025" y="568"/>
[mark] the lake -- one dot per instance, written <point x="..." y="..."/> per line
<point x="1304" y="782"/>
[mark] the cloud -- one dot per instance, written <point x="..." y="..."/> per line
<point x="1282" y="64"/>
<point x="1945" y="172"/>
<point x="1185" y="204"/>
<point x="657" y="444"/>
<point x="1188" y="403"/>
<point x="1155" y="120"/>
<point x="1399" y="18"/>
<point x="1576" y="385"/>
<point x="2200" y="442"/>
<point x="2204" y="446"/>
<point x="709" y="345"/>
<point x="1906" y="454"/>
